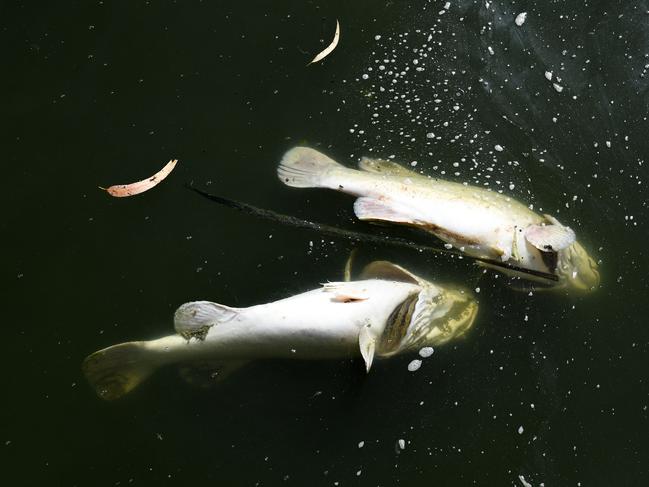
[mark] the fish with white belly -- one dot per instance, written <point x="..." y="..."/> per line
<point x="482" y="223"/>
<point x="389" y="311"/>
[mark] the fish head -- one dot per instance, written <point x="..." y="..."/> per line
<point x="441" y="314"/>
<point x="577" y="269"/>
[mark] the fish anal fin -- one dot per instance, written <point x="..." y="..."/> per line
<point x="207" y="374"/>
<point x="367" y="208"/>
<point x="382" y="166"/>
<point x="367" y="345"/>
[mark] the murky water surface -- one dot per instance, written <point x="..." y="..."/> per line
<point x="546" y="389"/>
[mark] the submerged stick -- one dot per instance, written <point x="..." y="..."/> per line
<point x="354" y="235"/>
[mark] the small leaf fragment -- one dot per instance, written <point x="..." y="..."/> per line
<point x="122" y="190"/>
<point x="327" y="50"/>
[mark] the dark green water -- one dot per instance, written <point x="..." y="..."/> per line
<point x="97" y="93"/>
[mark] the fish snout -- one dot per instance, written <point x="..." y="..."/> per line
<point x="580" y="270"/>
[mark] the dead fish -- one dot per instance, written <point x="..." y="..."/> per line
<point x="482" y="223"/>
<point x="388" y="311"/>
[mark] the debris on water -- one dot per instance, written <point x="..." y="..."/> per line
<point x="524" y="482"/>
<point x="122" y="190"/>
<point x="426" y="352"/>
<point x="414" y="365"/>
<point x="490" y="49"/>
<point x="520" y="430"/>
<point x="548" y="75"/>
<point x="361" y="444"/>
<point x="521" y="18"/>
<point x="557" y="87"/>
<point x="327" y="50"/>
<point x="498" y="147"/>
<point x="402" y="444"/>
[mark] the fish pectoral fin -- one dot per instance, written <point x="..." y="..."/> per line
<point x="382" y="269"/>
<point x="367" y="208"/>
<point x="382" y="166"/>
<point x="550" y="238"/>
<point x="367" y="345"/>
<point x="502" y="252"/>
<point x="206" y="374"/>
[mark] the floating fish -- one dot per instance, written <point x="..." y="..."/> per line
<point x="388" y="311"/>
<point x="482" y="223"/>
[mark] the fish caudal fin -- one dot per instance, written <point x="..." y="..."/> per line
<point x="117" y="370"/>
<point x="303" y="167"/>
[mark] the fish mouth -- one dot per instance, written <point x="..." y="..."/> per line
<point x="465" y="318"/>
<point x="457" y="320"/>
<point x="579" y="270"/>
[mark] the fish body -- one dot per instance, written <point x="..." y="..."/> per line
<point x="388" y="312"/>
<point x="479" y="222"/>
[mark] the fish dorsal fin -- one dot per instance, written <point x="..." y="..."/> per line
<point x="383" y="269"/>
<point x="387" y="168"/>
<point x="194" y="319"/>
<point x="367" y="345"/>
<point x="550" y="238"/>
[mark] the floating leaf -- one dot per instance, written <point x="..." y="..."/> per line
<point x="324" y="53"/>
<point x="122" y="190"/>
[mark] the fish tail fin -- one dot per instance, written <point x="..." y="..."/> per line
<point x="117" y="370"/>
<point x="303" y="167"/>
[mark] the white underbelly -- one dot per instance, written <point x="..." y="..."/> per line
<point x="316" y="324"/>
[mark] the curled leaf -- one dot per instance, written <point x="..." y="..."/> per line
<point x="122" y="190"/>
<point x="327" y="50"/>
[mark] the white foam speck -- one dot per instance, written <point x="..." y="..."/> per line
<point x="491" y="50"/>
<point x="414" y="365"/>
<point x="426" y="352"/>
<point x="521" y="18"/>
